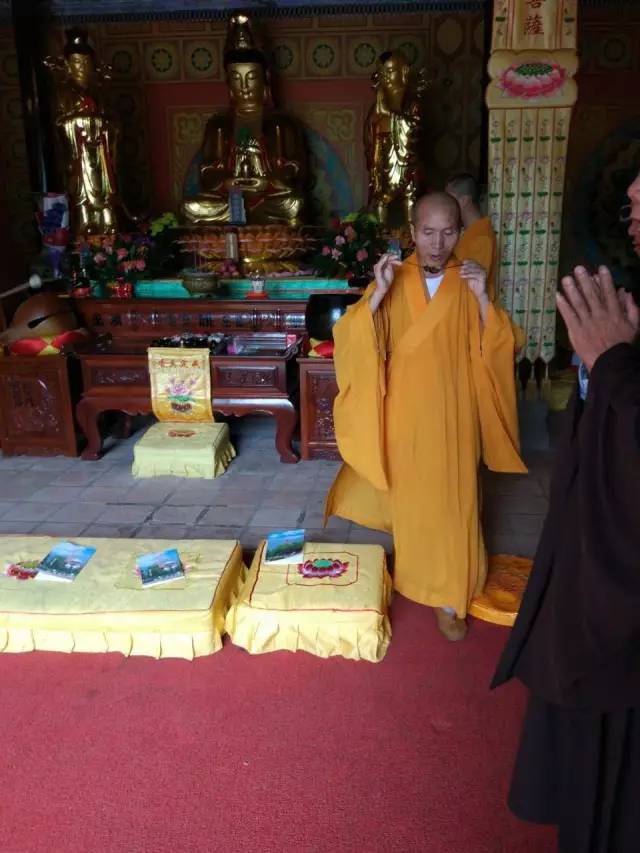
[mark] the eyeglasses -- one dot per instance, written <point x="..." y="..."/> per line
<point x="624" y="214"/>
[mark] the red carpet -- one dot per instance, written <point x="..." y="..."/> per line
<point x="274" y="753"/>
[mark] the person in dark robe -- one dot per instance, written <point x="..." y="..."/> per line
<point x="576" y="641"/>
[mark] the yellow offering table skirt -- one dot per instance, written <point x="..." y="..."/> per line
<point x="334" y="603"/>
<point x="503" y="591"/>
<point x="106" y="608"/>
<point x="183" y="450"/>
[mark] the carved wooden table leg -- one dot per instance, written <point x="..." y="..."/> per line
<point x="286" y="422"/>
<point x="89" y="420"/>
<point x="124" y="426"/>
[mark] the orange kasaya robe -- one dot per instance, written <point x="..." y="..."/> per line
<point x="478" y="243"/>
<point x="424" y="394"/>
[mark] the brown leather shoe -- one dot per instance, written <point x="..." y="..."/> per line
<point x="454" y="629"/>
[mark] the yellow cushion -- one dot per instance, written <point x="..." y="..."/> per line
<point x="506" y="582"/>
<point x="106" y="608"/>
<point x="183" y="450"/>
<point x="335" y="603"/>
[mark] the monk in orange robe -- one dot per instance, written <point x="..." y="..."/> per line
<point x="478" y="239"/>
<point x="425" y="370"/>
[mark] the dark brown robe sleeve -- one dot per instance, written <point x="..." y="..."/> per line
<point x="577" y="637"/>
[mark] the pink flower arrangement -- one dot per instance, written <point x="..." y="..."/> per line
<point x="531" y="80"/>
<point x="350" y="247"/>
<point x="121" y="258"/>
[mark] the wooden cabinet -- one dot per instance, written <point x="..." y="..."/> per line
<point x="318" y="390"/>
<point x="37" y="399"/>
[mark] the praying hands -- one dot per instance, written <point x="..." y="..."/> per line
<point x="597" y="317"/>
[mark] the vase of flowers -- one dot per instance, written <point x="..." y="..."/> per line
<point x="116" y="261"/>
<point x="350" y="248"/>
<point x="164" y="255"/>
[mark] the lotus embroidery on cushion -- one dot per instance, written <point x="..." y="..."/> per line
<point x="322" y="568"/>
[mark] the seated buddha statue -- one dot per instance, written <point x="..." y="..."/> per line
<point x="250" y="147"/>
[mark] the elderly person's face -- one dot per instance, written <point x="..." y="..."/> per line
<point x="634" y="227"/>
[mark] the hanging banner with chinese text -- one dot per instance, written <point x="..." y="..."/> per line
<point x="180" y="384"/>
<point x="530" y="100"/>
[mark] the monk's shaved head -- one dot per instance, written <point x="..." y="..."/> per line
<point x="435" y="229"/>
<point x="436" y="201"/>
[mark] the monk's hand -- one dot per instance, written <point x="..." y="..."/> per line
<point x="476" y="278"/>
<point x="384" y="272"/>
<point x="597" y="317"/>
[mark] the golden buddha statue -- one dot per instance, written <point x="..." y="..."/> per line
<point x="251" y="147"/>
<point x="391" y="138"/>
<point x="87" y="134"/>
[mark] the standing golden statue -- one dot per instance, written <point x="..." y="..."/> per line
<point x="391" y="136"/>
<point x="87" y="134"/>
<point x="250" y="147"/>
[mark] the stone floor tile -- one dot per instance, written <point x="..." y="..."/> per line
<point x="338" y="537"/>
<point x="57" y="494"/>
<point x="77" y="476"/>
<point x="149" y="492"/>
<point x="53" y="463"/>
<point x="243" y="482"/>
<point x="529" y="524"/>
<point x="105" y="494"/>
<point x="15" y="463"/>
<point x="315" y="519"/>
<point x="28" y="479"/>
<point x="30" y="511"/>
<point x="132" y="514"/>
<point x="5" y="506"/>
<point x="236" y="497"/>
<point x="294" y="499"/>
<point x="172" y="532"/>
<point x="223" y="516"/>
<point x="216" y="532"/>
<point x="110" y="531"/>
<point x="517" y="544"/>
<point x="186" y="515"/>
<point x="7" y="528"/>
<point x="14" y="491"/>
<point x="115" y="476"/>
<point x="62" y="529"/>
<point x="86" y="511"/>
<point x="278" y="518"/>
<point x="257" y="495"/>
<point x="197" y="495"/>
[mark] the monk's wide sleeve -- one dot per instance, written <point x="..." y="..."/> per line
<point x="576" y="641"/>
<point x="360" y="364"/>
<point x="492" y="355"/>
<point x="609" y="503"/>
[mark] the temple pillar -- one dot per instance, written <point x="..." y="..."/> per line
<point x="530" y="98"/>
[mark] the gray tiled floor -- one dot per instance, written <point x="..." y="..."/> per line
<point x="69" y="497"/>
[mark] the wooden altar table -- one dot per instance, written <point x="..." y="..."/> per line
<point x="264" y="380"/>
